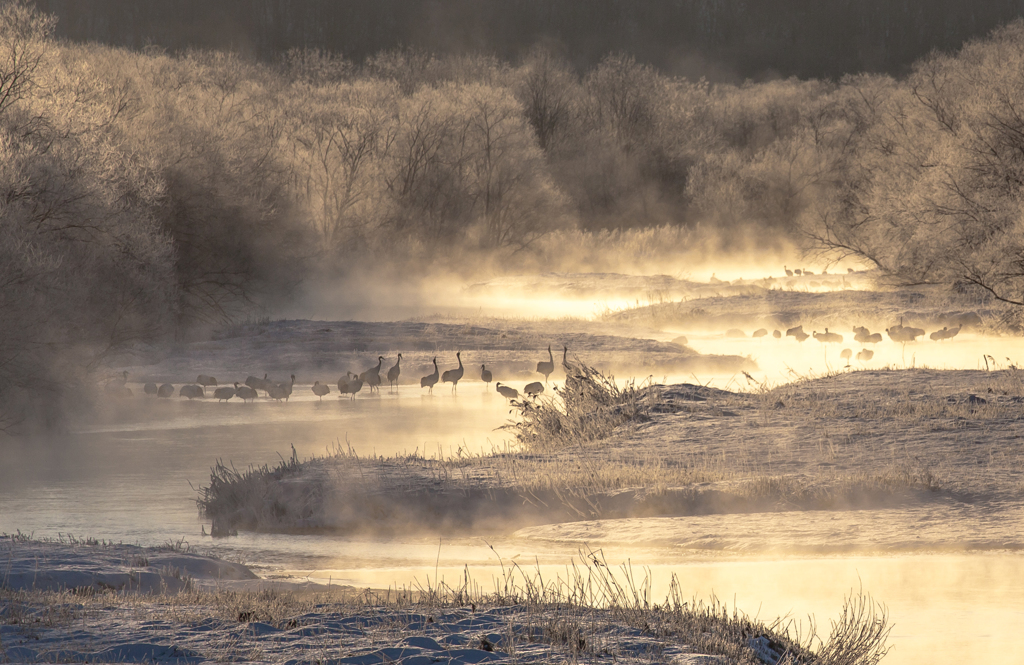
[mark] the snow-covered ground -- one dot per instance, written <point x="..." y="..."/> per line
<point x="100" y="602"/>
<point x="92" y="567"/>
<point x="115" y="603"/>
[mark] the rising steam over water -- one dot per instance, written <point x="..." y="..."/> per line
<point x="168" y="215"/>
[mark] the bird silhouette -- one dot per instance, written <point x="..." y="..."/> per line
<point x="485" y="375"/>
<point x="246" y="392"/>
<point x="286" y="388"/>
<point x="257" y="383"/>
<point x="191" y="391"/>
<point x="320" y="389"/>
<point x="429" y="380"/>
<point x="280" y="391"/>
<point x="946" y="333"/>
<point x="150" y="388"/>
<point x="828" y="337"/>
<point x="165" y="390"/>
<point x="546" y="367"/>
<point x="372" y="375"/>
<point x="798" y="333"/>
<point x="206" y="381"/>
<point x="394" y="372"/>
<point x="355" y="384"/>
<point x="506" y="391"/>
<point x="902" y="334"/>
<point x="864" y="336"/>
<point x="225" y="393"/>
<point x="345" y="386"/>
<point x="534" y="389"/>
<point x="454" y="375"/>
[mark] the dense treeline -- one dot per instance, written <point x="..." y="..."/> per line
<point x="730" y="38"/>
<point x="143" y="194"/>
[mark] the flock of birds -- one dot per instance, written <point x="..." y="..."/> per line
<point x="351" y="384"/>
<point x="898" y="333"/>
<point x="348" y="385"/>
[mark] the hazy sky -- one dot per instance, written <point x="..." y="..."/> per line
<point x="721" y="39"/>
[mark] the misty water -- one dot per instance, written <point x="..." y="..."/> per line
<point x="130" y="477"/>
<point x="782" y="361"/>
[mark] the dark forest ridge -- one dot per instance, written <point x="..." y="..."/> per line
<point x="720" y="39"/>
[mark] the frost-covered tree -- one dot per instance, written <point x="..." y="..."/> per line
<point x="466" y="166"/>
<point x="84" y="266"/>
<point x="338" y="137"/>
<point x="935" y="192"/>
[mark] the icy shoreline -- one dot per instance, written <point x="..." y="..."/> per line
<point x="87" y="601"/>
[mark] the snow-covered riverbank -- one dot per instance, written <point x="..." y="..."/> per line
<point x="99" y="602"/>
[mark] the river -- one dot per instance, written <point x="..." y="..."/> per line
<point x="130" y="478"/>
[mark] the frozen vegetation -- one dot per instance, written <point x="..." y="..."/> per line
<point x="917" y="445"/>
<point x="88" y="601"/>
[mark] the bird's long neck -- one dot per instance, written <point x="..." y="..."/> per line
<point x="380" y="360"/>
<point x="460" y="360"/>
<point x="551" y="358"/>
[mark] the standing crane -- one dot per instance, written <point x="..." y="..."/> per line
<point x="429" y="380"/>
<point x="394" y="372"/>
<point x="372" y="375"/>
<point x="546" y="367"/>
<point x="454" y="375"/>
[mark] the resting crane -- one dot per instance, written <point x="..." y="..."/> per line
<point x="506" y="391"/>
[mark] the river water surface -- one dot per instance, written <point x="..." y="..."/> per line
<point x="130" y="478"/>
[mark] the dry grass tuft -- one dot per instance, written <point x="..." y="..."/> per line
<point x="258" y="495"/>
<point x="588" y="407"/>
